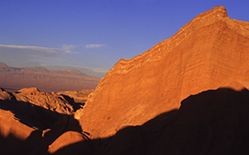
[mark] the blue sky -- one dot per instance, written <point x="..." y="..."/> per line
<point x="93" y="33"/>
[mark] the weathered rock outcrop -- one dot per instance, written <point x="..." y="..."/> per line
<point x="64" y="102"/>
<point x="10" y="125"/>
<point x="32" y="120"/>
<point x="211" y="51"/>
<point x="65" y="139"/>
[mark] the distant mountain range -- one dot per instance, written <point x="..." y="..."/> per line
<point x="47" y="79"/>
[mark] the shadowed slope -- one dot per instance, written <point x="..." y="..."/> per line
<point x="210" y="123"/>
<point x="26" y="128"/>
<point x="30" y="114"/>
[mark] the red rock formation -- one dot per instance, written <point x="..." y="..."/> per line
<point x="65" y="139"/>
<point x="64" y="102"/>
<point x="10" y="125"/>
<point x="32" y="120"/>
<point x="78" y="96"/>
<point x="211" y="51"/>
<point x="12" y="134"/>
<point x="4" y="95"/>
<point x="208" y="123"/>
<point x="50" y="101"/>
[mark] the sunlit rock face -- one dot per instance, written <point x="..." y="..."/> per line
<point x="210" y="51"/>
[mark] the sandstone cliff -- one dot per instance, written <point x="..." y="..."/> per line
<point x="211" y="51"/>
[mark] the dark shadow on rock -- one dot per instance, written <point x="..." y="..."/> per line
<point x="214" y="122"/>
<point x="37" y="117"/>
<point x="30" y="114"/>
<point x="11" y="145"/>
<point x="48" y="126"/>
<point x="72" y="102"/>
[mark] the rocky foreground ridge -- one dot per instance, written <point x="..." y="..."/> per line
<point x="41" y="118"/>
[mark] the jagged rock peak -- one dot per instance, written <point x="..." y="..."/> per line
<point x="207" y="18"/>
<point x="219" y="11"/>
<point x="215" y="15"/>
<point x="29" y="90"/>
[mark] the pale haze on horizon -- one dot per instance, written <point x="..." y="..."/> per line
<point x="93" y="33"/>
